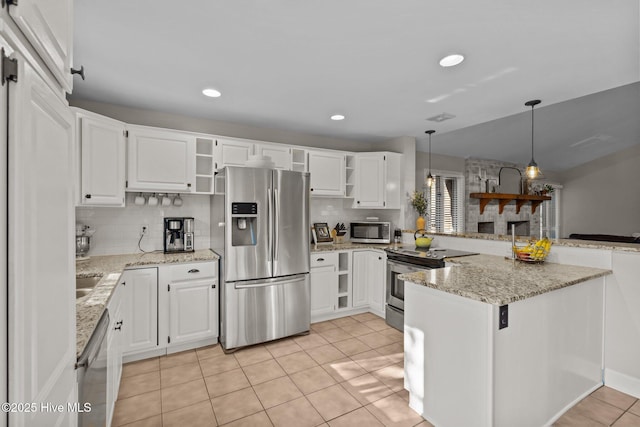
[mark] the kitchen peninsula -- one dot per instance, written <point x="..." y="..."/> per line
<point x="510" y="343"/>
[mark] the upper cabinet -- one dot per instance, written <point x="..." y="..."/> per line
<point x="232" y="152"/>
<point x="48" y="25"/>
<point x="160" y="160"/>
<point x="280" y="154"/>
<point x="377" y="180"/>
<point x="327" y="171"/>
<point x="101" y="142"/>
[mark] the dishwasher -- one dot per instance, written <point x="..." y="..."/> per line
<point x="92" y="376"/>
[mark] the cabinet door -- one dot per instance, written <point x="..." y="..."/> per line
<point x="48" y="25"/>
<point x="140" y="309"/>
<point x="160" y="160"/>
<point x="231" y="152"/>
<point x="114" y="351"/>
<point x="324" y="285"/>
<point x="280" y="155"/>
<point x="41" y="262"/>
<point x="360" y="281"/>
<point x="193" y="310"/>
<point x="327" y="173"/>
<point x="377" y="280"/>
<point x="102" y="147"/>
<point x="370" y="181"/>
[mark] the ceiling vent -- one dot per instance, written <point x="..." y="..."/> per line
<point x="592" y="140"/>
<point x="441" y="117"/>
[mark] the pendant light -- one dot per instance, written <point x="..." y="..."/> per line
<point x="532" y="168"/>
<point x="430" y="177"/>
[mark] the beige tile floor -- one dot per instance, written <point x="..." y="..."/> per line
<point x="346" y="372"/>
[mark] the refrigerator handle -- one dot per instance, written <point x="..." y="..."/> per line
<point x="270" y="230"/>
<point x="276" y="236"/>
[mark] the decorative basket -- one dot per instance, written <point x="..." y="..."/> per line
<point x="533" y="253"/>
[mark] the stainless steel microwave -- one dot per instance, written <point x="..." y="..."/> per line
<point x="370" y="232"/>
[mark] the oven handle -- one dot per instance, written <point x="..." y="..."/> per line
<point x="404" y="267"/>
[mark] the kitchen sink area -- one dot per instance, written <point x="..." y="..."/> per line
<point x="84" y="285"/>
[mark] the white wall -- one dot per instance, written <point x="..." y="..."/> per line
<point x="602" y="197"/>
<point x="117" y="230"/>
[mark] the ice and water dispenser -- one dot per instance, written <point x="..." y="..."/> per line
<point x="244" y="223"/>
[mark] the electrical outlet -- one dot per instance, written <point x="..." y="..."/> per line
<point x="144" y="229"/>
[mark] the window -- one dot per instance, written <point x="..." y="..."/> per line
<point x="445" y="213"/>
<point x="550" y="214"/>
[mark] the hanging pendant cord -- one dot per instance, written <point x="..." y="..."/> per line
<point x="532" y="132"/>
<point x="429" y="154"/>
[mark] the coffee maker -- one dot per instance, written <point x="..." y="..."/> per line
<point x="178" y="235"/>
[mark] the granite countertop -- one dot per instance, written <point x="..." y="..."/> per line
<point x="349" y="245"/>
<point x="574" y="243"/>
<point x="90" y="307"/>
<point x="498" y="280"/>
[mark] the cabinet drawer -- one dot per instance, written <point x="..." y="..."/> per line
<point x="193" y="271"/>
<point x="324" y="259"/>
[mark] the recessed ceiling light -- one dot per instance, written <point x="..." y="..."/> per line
<point x="337" y="117"/>
<point x="451" y="60"/>
<point x="212" y="93"/>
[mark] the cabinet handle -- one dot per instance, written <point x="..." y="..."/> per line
<point x="124" y="283"/>
<point x="213" y="286"/>
<point x="312" y="189"/>
<point x="379" y="257"/>
<point x="80" y="71"/>
<point x="87" y="196"/>
<point x="358" y="201"/>
<point x="194" y="270"/>
<point x="188" y="184"/>
<point x="118" y="328"/>
<point x="119" y="323"/>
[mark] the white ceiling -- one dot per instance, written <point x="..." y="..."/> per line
<point x="291" y="64"/>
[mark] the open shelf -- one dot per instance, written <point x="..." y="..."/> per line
<point x="504" y="199"/>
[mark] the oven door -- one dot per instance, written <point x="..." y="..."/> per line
<point x="395" y="286"/>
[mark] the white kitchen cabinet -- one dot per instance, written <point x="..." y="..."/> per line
<point x="280" y="154"/>
<point x="193" y="309"/>
<point x="102" y="145"/>
<point x="193" y="303"/>
<point x="232" y="152"/>
<point x="140" y="309"/>
<point x="369" y="278"/>
<point x="324" y="283"/>
<point x="377" y="180"/>
<point x="114" y="349"/>
<point x="40" y="305"/>
<point x="327" y="171"/>
<point x="48" y="25"/>
<point x="160" y="160"/>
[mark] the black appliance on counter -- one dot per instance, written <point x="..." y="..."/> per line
<point x="178" y="235"/>
<point x="403" y="261"/>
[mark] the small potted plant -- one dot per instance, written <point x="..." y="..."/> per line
<point x="419" y="203"/>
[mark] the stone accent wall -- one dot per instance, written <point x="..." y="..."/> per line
<point x="474" y="185"/>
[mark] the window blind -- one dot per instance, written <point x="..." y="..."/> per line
<point x="444" y="204"/>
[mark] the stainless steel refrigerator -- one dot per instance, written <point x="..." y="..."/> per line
<point x="266" y="288"/>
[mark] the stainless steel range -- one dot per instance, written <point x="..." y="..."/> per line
<point x="402" y="261"/>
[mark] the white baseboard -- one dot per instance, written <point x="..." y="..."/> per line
<point x="622" y="382"/>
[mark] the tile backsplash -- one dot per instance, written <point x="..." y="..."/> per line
<point x="332" y="211"/>
<point x="117" y="230"/>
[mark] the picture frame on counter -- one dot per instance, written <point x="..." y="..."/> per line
<point x="321" y="233"/>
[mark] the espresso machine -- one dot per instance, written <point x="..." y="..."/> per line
<point x="178" y="235"/>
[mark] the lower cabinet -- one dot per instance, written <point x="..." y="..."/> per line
<point x="169" y="308"/>
<point x="140" y="309"/>
<point x="369" y="278"/>
<point x="324" y="283"/>
<point x="114" y="350"/>
<point x="193" y="308"/>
